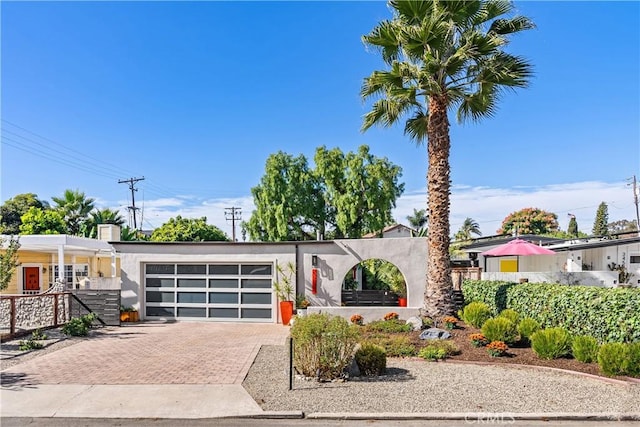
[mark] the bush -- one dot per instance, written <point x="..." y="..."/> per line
<point x="357" y="319"/>
<point x="585" y="348"/>
<point x="29" y="345"/>
<point x="608" y="315"/>
<point x="395" y="345"/>
<point x="551" y="343"/>
<point x="450" y="322"/>
<point x="371" y="359"/>
<point x="478" y="340"/>
<point x="449" y="347"/>
<point x="38" y="335"/>
<point x="475" y="314"/>
<point x="392" y="315"/>
<point x="510" y="314"/>
<point x="79" y="326"/>
<point x="500" y="329"/>
<point x="388" y="326"/>
<point x="323" y="345"/>
<point x="611" y="358"/>
<point x="526" y="328"/>
<point x="497" y="349"/>
<point x="631" y="365"/>
<point x="432" y="354"/>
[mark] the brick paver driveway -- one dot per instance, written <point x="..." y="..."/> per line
<point x="156" y="353"/>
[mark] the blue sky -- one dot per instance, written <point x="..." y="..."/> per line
<point x="194" y="97"/>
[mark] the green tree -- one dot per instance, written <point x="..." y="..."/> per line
<point x="345" y="196"/>
<point x="128" y="234"/>
<point x="8" y="260"/>
<point x="75" y="208"/>
<point x="572" y="229"/>
<point x="13" y="209"/>
<point x="600" y="227"/>
<point x="39" y="221"/>
<point x="180" y="229"/>
<point x="469" y="227"/>
<point x="442" y="55"/>
<point x="622" y="226"/>
<point x="418" y="220"/>
<point x="529" y="221"/>
<point x="101" y="216"/>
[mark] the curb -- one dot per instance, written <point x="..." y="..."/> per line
<point x="486" y="417"/>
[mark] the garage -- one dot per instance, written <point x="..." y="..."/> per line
<point x="229" y="291"/>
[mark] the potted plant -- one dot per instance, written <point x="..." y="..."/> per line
<point x="398" y="286"/>
<point x="128" y="314"/>
<point x="283" y="288"/>
<point x="301" y="305"/>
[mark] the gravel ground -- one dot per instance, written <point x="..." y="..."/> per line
<point x="414" y="385"/>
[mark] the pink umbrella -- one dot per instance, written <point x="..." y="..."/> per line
<point x="518" y="247"/>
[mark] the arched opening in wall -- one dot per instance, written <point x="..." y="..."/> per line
<point x="374" y="282"/>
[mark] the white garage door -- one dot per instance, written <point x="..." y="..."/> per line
<point x="222" y="292"/>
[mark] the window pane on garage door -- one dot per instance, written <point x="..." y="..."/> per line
<point x="223" y="297"/>
<point x="223" y="269"/>
<point x="256" y="313"/>
<point x="160" y="269"/>
<point x="256" y="283"/>
<point x="160" y="311"/>
<point x="250" y="298"/>
<point x="192" y="269"/>
<point x="256" y="270"/>
<point x="160" y="296"/>
<point x="192" y="297"/>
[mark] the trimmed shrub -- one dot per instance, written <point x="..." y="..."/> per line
<point x="526" y="328"/>
<point x="631" y="364"/>
<point x="79" y="326"/>
<point x="608" y="315"/>
<point x="371" y="359"/>
<point x="611" y="358"/>
<point x="388" y="326"/>
<point x="500" y="329"/>
<point x="510" y="314"/>
<point x="475" y="314"/>
<point x="395" y="345"/>
<point x="449" y="347"/>
<point x="432" y="354"/>
<point x="551" y="343"/>
<point x="584" y="348"/>
<point x="323" y="345"/>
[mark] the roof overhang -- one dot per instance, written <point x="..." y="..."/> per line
<point x="50" y="243"/>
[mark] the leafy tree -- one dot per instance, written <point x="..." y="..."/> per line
<point x="345" y="196"/>
<point x="442" y="55"/>
<point x="529" y="221"/>
<point x="622" y="226"/>
<point x="101" y="216"/>
<point x="572" y="229"/>
<point x="180" y="229"/>
<point x="42" y="221"/>
<point x="469" y="227"/>
<point x="8" y="260"/>
<point x="13" y="209"/>
<point x="75" y="208"/>
<point x="419" y="220"/>
<point x="128" y="234"/>
<point x="600" y="227"/>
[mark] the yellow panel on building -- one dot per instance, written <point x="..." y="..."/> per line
<point x="508" y="266"/>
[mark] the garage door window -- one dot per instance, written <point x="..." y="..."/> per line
<point x="210" y="291"/>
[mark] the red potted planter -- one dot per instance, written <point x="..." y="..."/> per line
<point x="286" y="311"/>
<point x="402" y="302"/>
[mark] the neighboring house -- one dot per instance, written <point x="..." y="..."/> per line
<point x="78" y="262"/>
<point x="585" y="261"/>
<point x="394" y="230"/>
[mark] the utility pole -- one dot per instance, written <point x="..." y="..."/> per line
<point x="233" y="214"/>
<point x="635" y="201"/>
<point x="132" y="209"/>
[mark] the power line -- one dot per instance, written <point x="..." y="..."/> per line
<point x="233" y="214"/>
<point x="132" y="209"/>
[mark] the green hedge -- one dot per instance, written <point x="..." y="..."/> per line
<point x="607" y="314"/>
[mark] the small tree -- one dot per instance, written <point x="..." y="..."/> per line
<point x="573" y="226"/>
<point x="180" y="229"/>
<point x="600" y="227"/>
<point x="530" y="221"/>
<point x="8" y="261"/>
<point x="39" y="221"/>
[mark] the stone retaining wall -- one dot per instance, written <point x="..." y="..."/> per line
<point x="30" y="312"/>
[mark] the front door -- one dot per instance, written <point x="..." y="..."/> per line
<point x="31" y="277"/>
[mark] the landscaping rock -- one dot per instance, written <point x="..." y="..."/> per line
<point x="416" y="323"/>
<point x="354" y="369"/>
<point x="434" y="334"/>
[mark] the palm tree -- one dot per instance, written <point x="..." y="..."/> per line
<point x="469" y="227"/>
<point x="442" y="55"/>
<point x="419" y="218"/>
<point x="101" y="216"/>
<point x="75" y="207"/>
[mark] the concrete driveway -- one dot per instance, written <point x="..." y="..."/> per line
<point x="181" y="370"/>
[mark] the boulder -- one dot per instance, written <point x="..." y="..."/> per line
<point x="434" y="334"/>
<point x="416" y="323"/>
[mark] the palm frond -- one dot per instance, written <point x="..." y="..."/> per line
<point x="416" y="126"/>
<point x="505" y="70"/>
<point x="479" y="104"/>
<point x="411" y="11"/>
<point x="491" y="10"/>
<point x="384" y="37"/>
<point x="385" y="112"/>
<point x="511" y="26"/>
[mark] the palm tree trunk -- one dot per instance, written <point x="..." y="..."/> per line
<point x="438" y="292"/>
